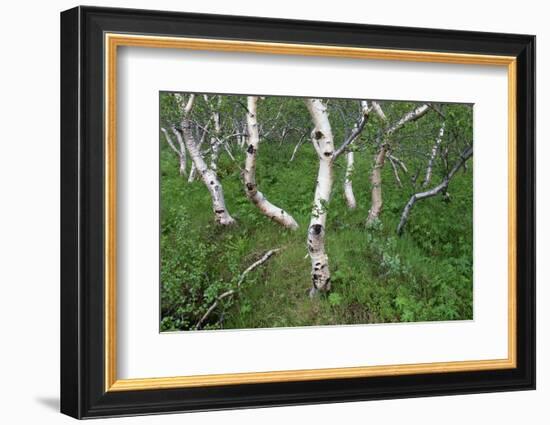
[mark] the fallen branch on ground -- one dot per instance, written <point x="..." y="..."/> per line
<point x="226" y="294"/>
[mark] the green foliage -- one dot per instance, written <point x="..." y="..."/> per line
<point x="377" y="277"/>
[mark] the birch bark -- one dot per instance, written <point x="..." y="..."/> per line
<point x="322" y="140"/>
<point x="208" y="176"/>
<point x="193" y="170"/>
<point x="433" y="154"/>
<point x="379" y="158"/>
<point x="251" y="187"/>
<point x="348" y="184"/>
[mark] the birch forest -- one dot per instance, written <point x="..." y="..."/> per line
<point x="287" y="211"/>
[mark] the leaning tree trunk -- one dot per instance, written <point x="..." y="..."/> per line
<point x="193" y="170"/>
<point x="208" y="176"/>
<point x="433" y="154"/>
<point x="441" y="187"/>
<point x="322" y="140"/>
<point x="251" y="187"/>
<point x="376" y="174"/>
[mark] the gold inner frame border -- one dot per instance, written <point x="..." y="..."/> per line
<point x="111" y="43"/>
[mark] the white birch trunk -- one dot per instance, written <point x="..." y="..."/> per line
<point x="323" y="142"/>
<point x="215" y="140"/>
<point x="214" y="154"/>
<point x="251" y="188"/>
<point x="193" y="171"/>
<point x="433" y="153"/>
<point x="208" y="176"/>
<point x="348" y="186"/>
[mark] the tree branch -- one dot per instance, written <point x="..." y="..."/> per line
<point x="398" y="161"/>
<point x="464" y="156"/>
<point x="395" y="170"/>
<point x="378" y="109"/>
<point x="189" y="105"/>
<point x="357" y="129"/>
<point x="169" y="140"/>
<point x="302" y="138"/>
<point x="408" y="117"/>
<point x="230" y="292"/>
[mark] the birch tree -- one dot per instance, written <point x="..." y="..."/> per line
<point x="271" y="211"/>
<point x="433" y="154"/>
<point x="179" y="150"/>
<point x="323" y="143"/>
<point x="208" y="175"/>
<point x="383" y="144"/>
<point x="440" y="188"/>
<point x="350" y="159"/>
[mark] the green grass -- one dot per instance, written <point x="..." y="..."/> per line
<point x="377" y="277"/>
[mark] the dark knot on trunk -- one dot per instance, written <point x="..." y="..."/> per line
<point x="316" y="229"/>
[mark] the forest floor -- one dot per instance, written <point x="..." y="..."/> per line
<point x="377" y="277"/>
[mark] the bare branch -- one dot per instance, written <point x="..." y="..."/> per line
<point x="230" y="292"/>
<point x="274" y="120"/>
<point x="398" y="161"/>
<point x="357" y="129"/>
<point x="464" y="156"/>
<point x="408" y="117"/>
<point x="437" y="111"/>
<point x="302" y="138"/>
<point x="395" y="171"/>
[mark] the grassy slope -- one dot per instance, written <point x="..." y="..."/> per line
<point x="376" y="276"/>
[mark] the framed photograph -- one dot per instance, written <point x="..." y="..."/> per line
<point x="261" y="212"/>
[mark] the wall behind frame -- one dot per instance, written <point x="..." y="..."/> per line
<point x="29" y="219"/>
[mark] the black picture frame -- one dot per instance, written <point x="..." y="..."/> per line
<point x="83" y="392"/>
